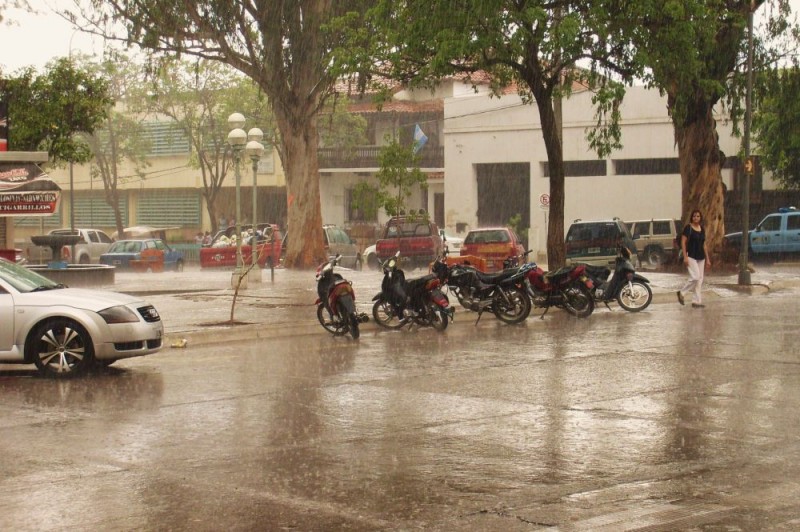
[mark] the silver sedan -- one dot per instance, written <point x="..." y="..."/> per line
<point x="66" y="330"/>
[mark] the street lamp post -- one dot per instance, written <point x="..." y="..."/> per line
<point x="237" y="139"/>
<point x="744" y="273"/>
<point x="254" y="150"/>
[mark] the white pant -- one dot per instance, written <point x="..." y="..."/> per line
<point x="695" y="282"/>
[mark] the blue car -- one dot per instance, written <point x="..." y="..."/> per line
<point x="135" y="254"/>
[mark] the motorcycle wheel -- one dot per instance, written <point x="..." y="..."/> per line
<point x="635" y="297"/>
<point x="330" y="323"/>
<point x="438" y="317"/>
<point x="578" y="301"/>
<point x="384" y="315"/>
<point x="517" y="311"/>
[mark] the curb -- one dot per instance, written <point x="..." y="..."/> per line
<point x="269" y="330"/>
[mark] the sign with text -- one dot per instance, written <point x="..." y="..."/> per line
<point x="25" y="190"/>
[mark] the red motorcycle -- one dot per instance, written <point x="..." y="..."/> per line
<point x="336" y="304"/>
<point x="569" y="288"/>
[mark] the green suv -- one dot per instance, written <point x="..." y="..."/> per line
<point x="597" y="242"/>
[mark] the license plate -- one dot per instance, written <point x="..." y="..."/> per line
<point x="593" y="250"/>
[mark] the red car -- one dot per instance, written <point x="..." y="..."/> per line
<point x="220" y="254"/>
<point x="493" y="245"/>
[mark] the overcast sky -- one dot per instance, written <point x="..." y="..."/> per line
<point x="35" y="39"/>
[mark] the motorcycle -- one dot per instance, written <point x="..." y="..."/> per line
<point x="569" y="288"/>
<point x="336" y="302"/>
<point x="406" y="302"/>
<point x="631" y="291"/>
<point x="503" y="293"/>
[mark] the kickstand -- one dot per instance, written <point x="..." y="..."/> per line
<point x="609" y="308"/>
<point x="545" y="312"/>
<point x="480" y="313"/>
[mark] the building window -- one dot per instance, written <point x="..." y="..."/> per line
<point x="169" y="209"/>
<point x="669" y="165"/>
<point x="91" y="210"/>
<point x="579" y="168"/>
<point x="165" y="138"/>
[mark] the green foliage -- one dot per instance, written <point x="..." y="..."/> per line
<point x="775" y="126"/>
<point x="515" y="223"/>
<point x="365" y="198"/>
<point x="341" y="129"/>
<point x="47" y="110"/>
<point x="399" y="174"/>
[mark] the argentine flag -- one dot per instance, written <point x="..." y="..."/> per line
<point x="420" y="139"/>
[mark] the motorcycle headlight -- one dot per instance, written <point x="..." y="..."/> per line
<point x="119" y="314"/>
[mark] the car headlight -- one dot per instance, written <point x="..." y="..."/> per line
<point x="119" y="314"/>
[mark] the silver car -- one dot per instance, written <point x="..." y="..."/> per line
<point x="64" y="330"/>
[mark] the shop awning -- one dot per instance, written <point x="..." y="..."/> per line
<point x="25" y="190"/>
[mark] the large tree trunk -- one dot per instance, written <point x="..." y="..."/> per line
<point x="701" y="177"/>
<point x="556" y="254"/>
<point x="304" y="249"/>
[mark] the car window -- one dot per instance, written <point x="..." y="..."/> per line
<point x="340" y="237"/>
<point x="487" y="237"/>
<point x="793" y="221"/>
<point x="771" y="223"/>
<point x="160" y="245"/>
<point x="104" y="238"/>
<point x="93" y="237"/>
<point x="661" y="227"/>
<point x="640" y="229"/>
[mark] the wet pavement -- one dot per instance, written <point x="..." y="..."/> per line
<point x="669" y="419"/>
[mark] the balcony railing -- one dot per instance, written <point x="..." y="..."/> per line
<point x="367" y="157"/>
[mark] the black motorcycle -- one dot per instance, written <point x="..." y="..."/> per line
<point x="630" y="290"/>
<point x="505" y="294"/>
<point x="404" y="301"/>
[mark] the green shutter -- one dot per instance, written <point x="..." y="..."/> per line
<point x="169" y="209"/>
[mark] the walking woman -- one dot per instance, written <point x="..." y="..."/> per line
<point x="695" y="257"/>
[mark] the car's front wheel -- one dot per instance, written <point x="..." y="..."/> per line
<point x="61" y="348"/>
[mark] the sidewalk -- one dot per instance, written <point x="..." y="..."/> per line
<point x="194" y="304"/>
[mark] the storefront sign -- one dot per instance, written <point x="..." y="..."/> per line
<point x="25" y="190"/>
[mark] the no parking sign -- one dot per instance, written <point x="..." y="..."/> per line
<point x="544" y="201"/>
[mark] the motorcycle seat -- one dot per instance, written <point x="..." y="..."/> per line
<point x="598" y="272"/>
<point x="561" y="272"/>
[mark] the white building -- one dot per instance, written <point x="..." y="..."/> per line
<point x="496" y="145"/>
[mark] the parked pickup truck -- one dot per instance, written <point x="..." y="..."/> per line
<point x="776" y="234"/>
<point x="222" y="251"/>
<point x="93" y="243"/>
<point x="417" y="239"/>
